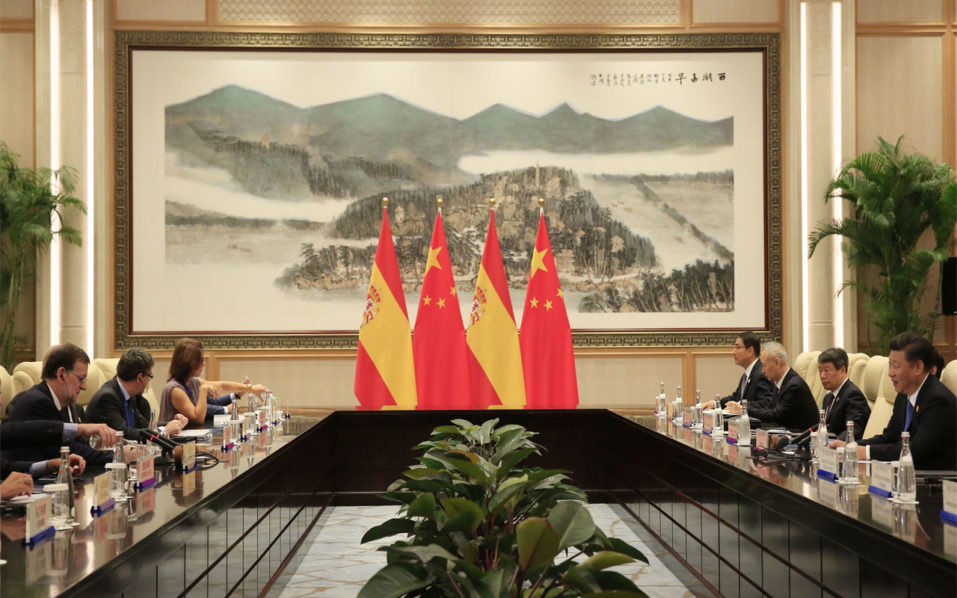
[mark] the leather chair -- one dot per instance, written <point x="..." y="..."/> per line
<point x="949" y="376"/>
<point x="880" y="393"/>
<point x="7" y="391"/>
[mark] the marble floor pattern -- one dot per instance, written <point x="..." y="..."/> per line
<point x="334" y="564"/>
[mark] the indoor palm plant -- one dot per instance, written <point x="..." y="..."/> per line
<point x="478" y="524"/>
<point x="28" y="200"/>
<point x="895" y="198"/>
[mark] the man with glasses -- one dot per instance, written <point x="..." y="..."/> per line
<point x="753" y="386"/>
<point x="55" y="399"/>
<point x="120" y="403"/>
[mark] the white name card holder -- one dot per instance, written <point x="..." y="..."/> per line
<point x="686" y="419"/>
<point x="732" y="436"/>
<point x="145" y="473"/>
<point x="949" y="512"/>
<point x="38" y="526"/>
<point x="706" y="423"/>
<point x="882" y="478"/>
<point x="188" y="462"/>
<point x="828" y="465"/>
<point x="102" y="501"/>
<point x="227" y="441"/>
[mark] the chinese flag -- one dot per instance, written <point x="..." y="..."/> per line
<point x="438" y="343"/>
<point x="492" y="336"/>
<point x="549" y="362"/>
<point x="385" y="375"/>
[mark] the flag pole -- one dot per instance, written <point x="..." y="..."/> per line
<point x="439" y="201"/>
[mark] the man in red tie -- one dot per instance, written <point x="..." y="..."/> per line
<point x="924" y="407"/>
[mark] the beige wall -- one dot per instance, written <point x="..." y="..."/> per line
<point x="606" y="378"/>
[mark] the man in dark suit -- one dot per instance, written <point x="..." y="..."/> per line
<point x="791" y="404"/>
<point x="844" y="401"/>
<point x="64" y="375"/>
<point x="753" y="386"/>
<point x="120" y="404"/>
<point x="924" y="407"/>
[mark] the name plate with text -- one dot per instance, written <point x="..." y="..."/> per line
<point x="760" y="439"/>
<point x="189" y="456"/>
<point x="949" y="511"/>
<point x="102" y="502"/>
<point x="38" y="519"/>
<point x="828" y="465"/>
<point x="687" y="418"/>
<point x="882" y="478"/>
<point x="707" y="424"/>
<point x="732" y="432"/>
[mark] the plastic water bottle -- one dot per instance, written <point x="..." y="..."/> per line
<point x="661" y="406"/>
<point x="679" y="405"/>
<point x="65" y="476"/>
<point x="820" y="437"/>
<point x="906" y="476"/>
<point x="744" y="425"/>
<point x="249" y="395"/>
<point x="850" y="457"/>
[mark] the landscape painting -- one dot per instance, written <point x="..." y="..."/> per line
<point x="258" y="180"/>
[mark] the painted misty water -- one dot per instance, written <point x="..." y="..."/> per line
<point x="640" y="209"/>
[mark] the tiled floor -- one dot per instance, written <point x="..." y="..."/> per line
<point x="334" y="564"/>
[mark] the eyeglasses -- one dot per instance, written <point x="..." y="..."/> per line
<point x="150" y="375"/>
<point x="82" y="379"/>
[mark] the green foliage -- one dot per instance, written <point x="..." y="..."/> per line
<point x="896" y="198"/>
<point x="480" y="525"/>
<point x="28" y="199"/>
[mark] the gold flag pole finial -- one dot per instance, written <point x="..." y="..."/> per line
<point x="439" y="201"/>
<point x="385" y="202"/>
<point x="491" y="203"/>
<point x="541" y="202"/>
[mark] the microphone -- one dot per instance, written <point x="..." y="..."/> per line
<point x="804" y="438"/>
<point x="163" y="442"/>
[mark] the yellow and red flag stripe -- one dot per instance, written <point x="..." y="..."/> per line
<point x="385" y="374"/>
<point x="492" y="335"/>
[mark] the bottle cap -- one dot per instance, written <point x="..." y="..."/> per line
<point x="60" y="487"/>
<point x="114" y="465"/>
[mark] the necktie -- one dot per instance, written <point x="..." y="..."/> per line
<point x="129" y="416"/>
<point x="828" y="402"/>
<point x="909" y="415"/>
<point x="777" y="394"/>
<point x="741" y="386"/>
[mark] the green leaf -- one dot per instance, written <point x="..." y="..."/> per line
<point x="423" y="506"/>
<point x="619" y="545"/>
<point x="606" y="559"/>
<point x="612" y="580"/>
<point x="466" y="514"/>
<point x="400" y="497"/>
<point x="427" y="553"/>
<point x="508" y="492"/>
<point x="393" y="581"/>
<point x="389" y="528"/>
<point x="537" y="543"/>
<point x="572" y="523"/>
<point x="582" y="579"/>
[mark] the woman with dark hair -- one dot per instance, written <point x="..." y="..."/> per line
<point x="185" y="392"/>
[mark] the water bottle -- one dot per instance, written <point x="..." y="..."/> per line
<point x="906" y="476"/>
<point x="820" y="437"/>
<point x="65" y="476"/>
<point x="850" y="457"/>
<point x="679" y="405"/>
<point x="249" y="395"/>
<point x="661" y="406"/>
<point x="119" y="455"/>
<point x="744" y="425"/>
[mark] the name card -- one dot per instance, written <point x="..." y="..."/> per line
<point x="882" y="478"/>
<point x="102" y="501"/>
<point x="760" y="439"/>
<point x="189" y="456"/>
<point x="732" y="435"/>
<point x="146" y="475"/>
<point x="949" y="512"/>
<point x="38" y="519"/>
<point x="828" y="464"/>
<point x="262" y="419"/>
<point x="707" y="424"/>
<point x="686" y="422"/>
<point x="226" y="440"/>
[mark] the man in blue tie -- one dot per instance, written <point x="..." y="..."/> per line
<point x="924" y="407"/>
<point x="120" y="404"/>
<point x="752" y="386"/>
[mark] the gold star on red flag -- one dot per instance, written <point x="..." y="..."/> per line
<point x="433" y="259"/>
<point x="452" y="291"/>
<point x="538" y="262"/>
<point x="533" y="302"/>
<point x="427" y="300"/>
<point x="441" y="303"/>
<point x="548" y="305"/>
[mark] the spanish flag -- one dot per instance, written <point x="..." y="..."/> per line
<point x="547" y="355"/>
<point x="441" y="356"/>
<point x="385" y="375"/>
<point x="492" y="336"/>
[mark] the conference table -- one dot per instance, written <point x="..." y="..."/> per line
<point x="734" y="525"/>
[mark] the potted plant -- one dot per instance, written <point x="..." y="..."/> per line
<point x="896" y="197"/>
<point x="479" y="524"/>
<point x="28" y="200"/>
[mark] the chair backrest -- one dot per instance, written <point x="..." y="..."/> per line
<point x="856" y="363"/>
<point x="949" y="376"/>
<point x="805" y="364"/>
<point x="7" y="391"/>
<point x="880" y="393"/>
